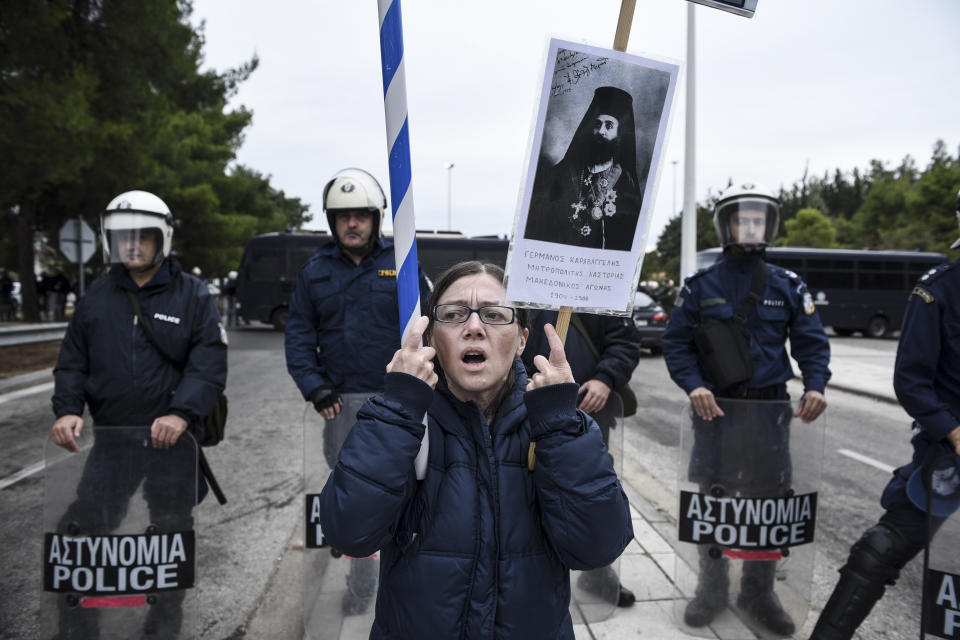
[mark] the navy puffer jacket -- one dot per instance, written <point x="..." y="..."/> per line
<point x="482" y="547"/>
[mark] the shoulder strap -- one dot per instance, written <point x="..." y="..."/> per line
<point x="753" y="296"/>
<point x="146" y="329"/>
<point x="578" y="323"/>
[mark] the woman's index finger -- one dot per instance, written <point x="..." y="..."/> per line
<point x="557" y="354"/>
<point x="415" y="337"/>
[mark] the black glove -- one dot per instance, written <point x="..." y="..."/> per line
<point x="324" y="397"/>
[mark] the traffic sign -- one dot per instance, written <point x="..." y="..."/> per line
<point x="745" y="8"/>
<point x="76" y="236"/>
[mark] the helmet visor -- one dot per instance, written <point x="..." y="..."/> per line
<point x="748" y="222"/>
<point x="132" y="247"/>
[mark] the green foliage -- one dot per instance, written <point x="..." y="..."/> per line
<point x="102" y="97"/>
<point x="809" y="228"/>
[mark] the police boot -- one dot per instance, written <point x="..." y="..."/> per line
<point x="875" y="561"/>
<point x="758" y="600"/>
<point x="361" y="586"/>
<point x="713" y="585"/>
<point x="603" y="583"/>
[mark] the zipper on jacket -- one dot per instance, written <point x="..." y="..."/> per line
<point x="494" y="466"/>
<point x="133" y="352"/>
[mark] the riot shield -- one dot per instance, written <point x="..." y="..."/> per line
<point x="339" y="592"/>
<point x="748" y="485"/>
<point x="941" y="561"/>
<point x="119" y="550"/>
<point x="594" y="593"/>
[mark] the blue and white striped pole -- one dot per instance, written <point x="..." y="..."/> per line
<point x="401" y="195"/>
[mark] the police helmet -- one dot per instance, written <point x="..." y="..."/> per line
<point x="354" y="190"/>
<point x="131" y="215"/>
<point x="957" y="243"/>
<point x="746" y="232"/>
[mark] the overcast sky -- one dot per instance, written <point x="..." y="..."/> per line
<point x="820" y="83"/>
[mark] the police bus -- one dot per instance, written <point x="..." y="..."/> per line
<point x="854" y="290"/>
<point x="271" y="261"/>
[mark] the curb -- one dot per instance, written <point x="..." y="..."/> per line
<point x="880" y="397"/>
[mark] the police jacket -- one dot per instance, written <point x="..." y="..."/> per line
<point x="926" y="375"/>
<point x="107" y="362"/>
<point x="344" y="323"/>
<point x="482" y="546"/>
<point x="614" y="338"/>
<point x="785" y="311"/>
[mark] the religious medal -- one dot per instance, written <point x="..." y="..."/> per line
<point x="596" y="213"/>
<point x="577" y="208"/>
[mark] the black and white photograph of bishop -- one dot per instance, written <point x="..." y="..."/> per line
<point x="591" y="197"/>
<point x="598" y="135"/>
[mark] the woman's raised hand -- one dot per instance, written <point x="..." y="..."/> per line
<point x="555" y="370"/>
<point x="413" y="358"/>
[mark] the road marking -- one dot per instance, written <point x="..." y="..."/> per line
<point x="37" y="467"/>
<point x="23" y="473"/>
<point x="859" y="457"/>
<point x="29" y="391"/>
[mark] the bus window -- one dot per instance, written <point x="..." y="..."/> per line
<point x="496" y="257"/>
<point x="882" y="281"/>
<point x="264" y="265"/>
<point x="296" y="257"/>
<point x="822" y="279"/>
<point x="917" y="269"/>
<point x="435" y="260"/>
<point x="792" y="264"/>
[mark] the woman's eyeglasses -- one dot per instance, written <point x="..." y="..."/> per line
<point x="458" y="314"/>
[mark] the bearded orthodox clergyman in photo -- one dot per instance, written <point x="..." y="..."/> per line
<point x="591" y="198"/>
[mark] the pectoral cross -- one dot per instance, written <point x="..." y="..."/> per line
<point x="577" y="208"/>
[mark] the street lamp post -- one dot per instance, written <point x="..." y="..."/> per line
<point x="449" y="167"/>
<point x="674" y="211"/>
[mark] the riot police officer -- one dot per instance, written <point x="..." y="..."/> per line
<point x="109" y="363"/>
<point x="746" y="218"/>
<point x="926" y="379"/>
<point x="344" y="322"/>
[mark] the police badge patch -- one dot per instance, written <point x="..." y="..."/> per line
<point x="923" y="293"/>
<point x="223" y="333"/>
<point x="808" y="306"/>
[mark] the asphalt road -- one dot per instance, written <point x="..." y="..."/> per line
<point x="260" y="467"/>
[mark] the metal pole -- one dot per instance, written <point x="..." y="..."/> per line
<point x="688" y="242"/>
<point x="79" y="259"/>
<point x="449" y="167"/>
<point x="673" y="211"/>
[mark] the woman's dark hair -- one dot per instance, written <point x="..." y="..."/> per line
<point x="460" y="270"/>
